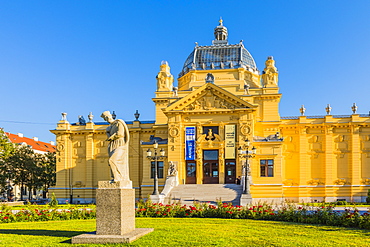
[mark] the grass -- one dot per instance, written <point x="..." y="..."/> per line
<point x="190" y="232"/>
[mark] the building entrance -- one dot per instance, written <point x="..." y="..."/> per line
<point x="191" y="173"/>
<point x="210" y="167"/>
<point x="230" y="171"/>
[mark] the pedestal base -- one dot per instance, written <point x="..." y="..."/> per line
<point x="115" y="216"/>
<point x="157" y="198"/>
<point x="245" y="199"/>
<point x="92" y="238"/>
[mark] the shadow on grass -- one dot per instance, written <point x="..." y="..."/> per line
<point x="49" y="233"/>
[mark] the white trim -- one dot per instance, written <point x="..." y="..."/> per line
<point x="267" y="184"/>
<point x="323" y="186"/>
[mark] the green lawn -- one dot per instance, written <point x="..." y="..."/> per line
<point x="190" y="232"/>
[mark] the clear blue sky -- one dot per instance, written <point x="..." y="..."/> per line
<point x="91" y="56"/>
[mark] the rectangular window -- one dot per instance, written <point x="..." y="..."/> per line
<point x="208" y="129"/>
<point x="267" y="168"/>
<point x="159" y="169"/>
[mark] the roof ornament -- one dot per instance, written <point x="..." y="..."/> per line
<point x="302" y="110"/>
<point x="114" y="115"/>
<point x="328" y="109"/>
<point x="64" y="116"/>
<point x="91" y="117"/>
<point x="210" y="78"/>
<point x="175" y="90"/>
<point x="81" y="120"/>
<point x="137" y="115"/>
<point x="354" y="108"/>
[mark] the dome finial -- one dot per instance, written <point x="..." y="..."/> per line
<point x="220" y="34"/>
<point x="221" y="21"/>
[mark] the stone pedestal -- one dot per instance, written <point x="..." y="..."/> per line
<point x="245" y="199"/>
<point x="115" y="216"/>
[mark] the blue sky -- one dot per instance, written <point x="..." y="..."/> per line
<point x="91" y="56"/>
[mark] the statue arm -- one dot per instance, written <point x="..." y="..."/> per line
<point x="126" y="132"/>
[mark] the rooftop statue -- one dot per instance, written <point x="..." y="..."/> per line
<point x="118" y="138"/>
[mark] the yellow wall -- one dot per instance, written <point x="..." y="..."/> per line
<point x="323" y="158"/>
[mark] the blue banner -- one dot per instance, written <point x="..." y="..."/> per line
<point x="190" y="143"/>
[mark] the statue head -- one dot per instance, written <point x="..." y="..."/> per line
<point x="107" y="116"/>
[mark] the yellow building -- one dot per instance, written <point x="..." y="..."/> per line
<point x="222" y="100"/>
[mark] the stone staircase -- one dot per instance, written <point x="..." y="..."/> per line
<point x="190" y="193"/>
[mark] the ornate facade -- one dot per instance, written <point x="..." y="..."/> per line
<point x="222" y="100"/>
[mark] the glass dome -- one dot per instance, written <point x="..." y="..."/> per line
<point x="218" y="57"/>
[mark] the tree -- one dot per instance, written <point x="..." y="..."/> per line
<point x="6" y="148"/>
<point x="22" y="165"/>
<point x="48" y="172"/>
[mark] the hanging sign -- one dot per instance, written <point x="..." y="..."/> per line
<point x="190" y="143"/>
<point x="230" y="141"/>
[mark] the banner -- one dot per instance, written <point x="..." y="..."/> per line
<point x="190" y="143"/>
<point x="230" y="141"/>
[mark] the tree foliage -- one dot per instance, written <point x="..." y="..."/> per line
<point x="6" y="149"/>
<point x="25" y="168"/>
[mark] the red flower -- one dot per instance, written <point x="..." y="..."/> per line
<point x="5" y="218"/>
<point x="300" y="208"/>
<point x="186" y="214"/>
<point x="272" y="214"/>
<point x="260" y="206"/>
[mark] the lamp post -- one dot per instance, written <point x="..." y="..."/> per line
<point x="155" y="158"/>
<point x="246" y="154"/>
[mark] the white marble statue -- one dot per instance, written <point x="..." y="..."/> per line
<point x="118" y="138"/>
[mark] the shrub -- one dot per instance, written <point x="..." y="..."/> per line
<point x="53" y="201"/>
<point x="368" y="197"/>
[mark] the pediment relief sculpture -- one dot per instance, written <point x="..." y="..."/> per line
<point x="210" y="101"/>
<point x="209" y="97"/>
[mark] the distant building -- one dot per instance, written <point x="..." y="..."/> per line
<point x="37" y="146"/>
<point x="221" y="101"/>
<point x="33" y="143"/>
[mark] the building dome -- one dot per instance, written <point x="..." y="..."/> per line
<point x="219" y="55"/>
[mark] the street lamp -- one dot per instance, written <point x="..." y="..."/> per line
<point x="155" y="158"/>
<point x="246" y="154"/>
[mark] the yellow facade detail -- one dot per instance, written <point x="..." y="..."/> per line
<point x="302" y="158"/>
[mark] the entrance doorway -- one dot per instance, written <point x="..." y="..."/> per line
<point x="230" y="171"/>
<point x="210" y="167"/>
<point x="191" y="173"/>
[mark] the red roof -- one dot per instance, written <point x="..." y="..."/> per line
<point x="34" y="143"/>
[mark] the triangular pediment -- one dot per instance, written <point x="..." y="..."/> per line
<point x="209" y="97"/>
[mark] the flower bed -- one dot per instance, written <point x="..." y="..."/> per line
<point x="324" y="215"/>
<point x="44" y="213"/>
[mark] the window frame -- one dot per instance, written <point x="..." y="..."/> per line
<point x="267" y="165"/>
<point x="160" y="169"/>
